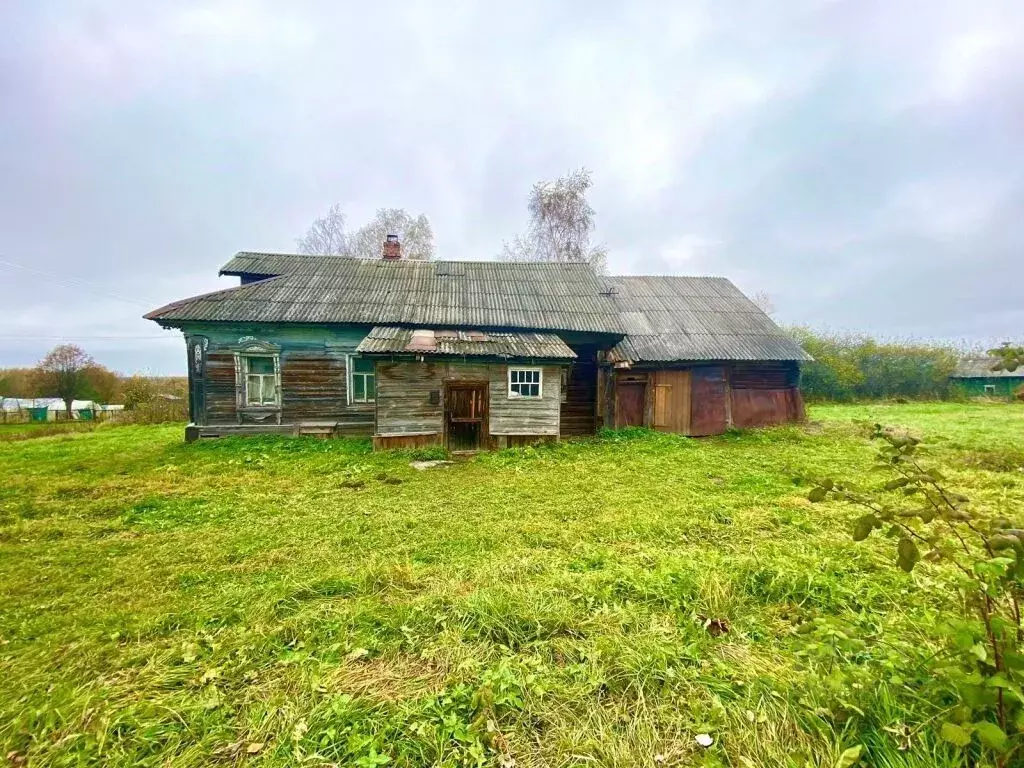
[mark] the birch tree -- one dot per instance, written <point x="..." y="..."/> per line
<point x="561" y="224"/>
<point x="329" y="236"/>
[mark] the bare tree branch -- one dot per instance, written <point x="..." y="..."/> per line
<point x="326" y="236"/>
<point x="561" y="224"/>
<point x="414" y="232"/>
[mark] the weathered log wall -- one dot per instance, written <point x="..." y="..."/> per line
<point x="313" y="377"/>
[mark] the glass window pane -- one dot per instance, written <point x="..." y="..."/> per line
<point x="362" y="364"/>
<point x="358" y="387"/>
<point x="261" y="365"/>
<point x="252" y="390"/>
<point x="534" y="390"/>
<point x="269" y="390"/>
<point x="371" y="387"/>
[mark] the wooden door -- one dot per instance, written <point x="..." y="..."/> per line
<point x="629" y="404"/>
<point x="670" y="407"/>
<point x="709" y="396"/>
<point x="466" y="416"/>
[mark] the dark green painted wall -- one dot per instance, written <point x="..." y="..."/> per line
<point x="313" y="375"/>
<point x="1005" y="386"/>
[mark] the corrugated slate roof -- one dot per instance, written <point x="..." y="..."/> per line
<point x="670" y="319"/>
<point x="665" y="319"/>
<point x="427" y="341"/>
<point x="334" y="289"/>
<point x="981" y="368"/>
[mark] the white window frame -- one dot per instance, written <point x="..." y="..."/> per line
<point x="989" y="389"/>
<point x="513" y="395"/>
<point x="351" y="374"/>
<point x="243" y="366"/>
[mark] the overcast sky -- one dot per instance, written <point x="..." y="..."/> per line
<point x="862" y="162"/>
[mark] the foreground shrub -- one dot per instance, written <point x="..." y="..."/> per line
<point x="929" y="521"/>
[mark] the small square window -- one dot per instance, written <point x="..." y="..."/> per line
<point x="525" y="382"/>
<point x="990" y="389"/>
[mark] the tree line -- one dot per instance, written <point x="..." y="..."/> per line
<point x="70" y="373"/>
<point x="850" y="367"/>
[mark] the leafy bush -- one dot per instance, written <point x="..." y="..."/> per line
<point x="850" y="367"/>
<point x="928" y="521"/>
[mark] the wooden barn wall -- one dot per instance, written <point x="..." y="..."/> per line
<point x="404" y="398"/>
<point x="707" y="399"/>
<point x="313" y="376"/>
<point x="764" y="407"/>
<point x="767" y="375"/>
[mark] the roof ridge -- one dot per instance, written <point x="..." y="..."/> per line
<point x="407" y="261"/>
<point x="687" y="277"/>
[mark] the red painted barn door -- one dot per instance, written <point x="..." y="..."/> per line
<point x="709" y="414"/>
<point x="629" y="403"/>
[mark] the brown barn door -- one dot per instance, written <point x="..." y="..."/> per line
<point x="709" y="413"/>
<point x="670" y="409"/>
<point x="629" y="404"/>
<point x="466" y="416"/>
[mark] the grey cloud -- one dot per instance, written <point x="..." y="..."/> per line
<point x="860" y="161"/>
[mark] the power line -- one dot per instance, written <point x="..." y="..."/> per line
<point x="81" y="337"/>
<point x="67" y="282"/>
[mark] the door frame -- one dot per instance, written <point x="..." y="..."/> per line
<point x="481" y="384"/>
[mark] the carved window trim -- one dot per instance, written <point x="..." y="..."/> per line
<point x="249" y="347"/>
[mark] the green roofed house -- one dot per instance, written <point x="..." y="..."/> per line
<point x="475" y="355"/>
<point x="976" y="377"/>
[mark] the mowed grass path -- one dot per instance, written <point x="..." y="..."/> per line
<point x="292" y="601"/>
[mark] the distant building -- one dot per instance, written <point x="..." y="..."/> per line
<point x="53" y="406"/>
<point x="976" y="377"/>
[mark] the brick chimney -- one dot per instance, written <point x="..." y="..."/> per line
<point x="392" y="249"/>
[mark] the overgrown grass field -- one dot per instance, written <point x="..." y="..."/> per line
<point x="294" y="601"/>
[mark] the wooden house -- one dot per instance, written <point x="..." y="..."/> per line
<point x="475" y="355"/>
<point x="983" y="376"/>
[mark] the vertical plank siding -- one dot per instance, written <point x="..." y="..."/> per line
<point x="709" y="413"/>
<point x="703" y="399"/>
<point x="671" y="401"/>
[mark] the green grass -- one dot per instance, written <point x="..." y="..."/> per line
<point x="240" y="602"/>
